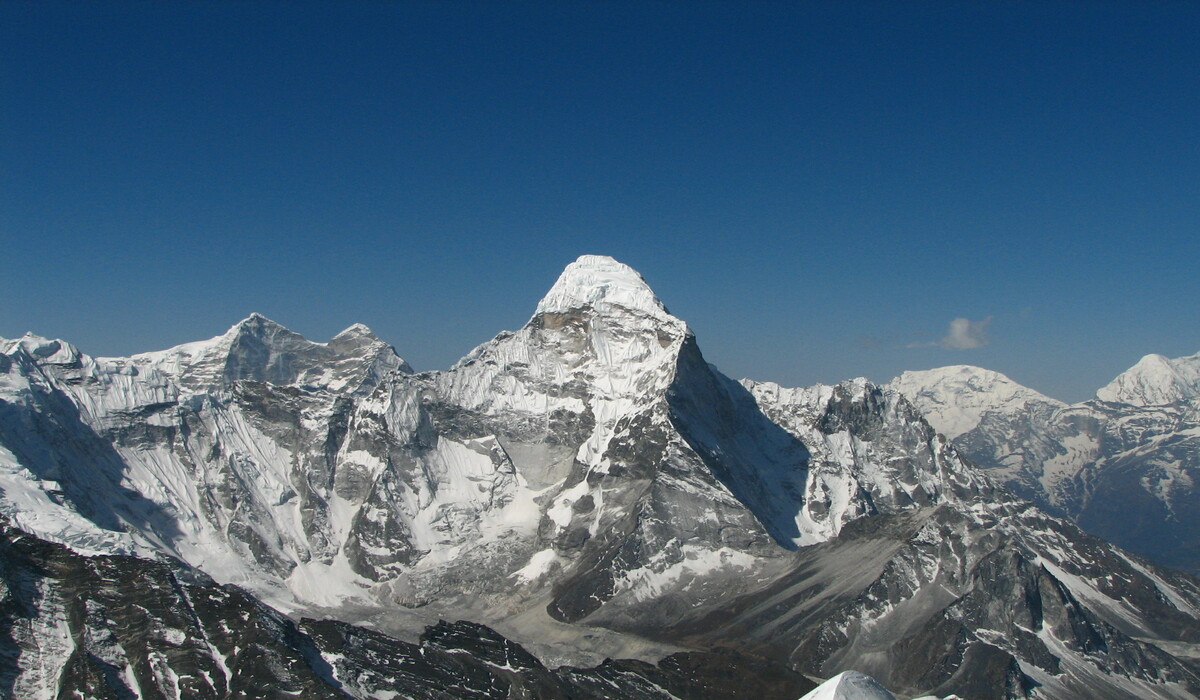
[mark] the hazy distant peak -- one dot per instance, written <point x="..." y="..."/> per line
<point x="953" y="399"/>
<point x="1155" y="380"/>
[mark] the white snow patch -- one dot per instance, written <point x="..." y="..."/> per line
<point x="850" y="685"/>
<point x="539" y="564"/>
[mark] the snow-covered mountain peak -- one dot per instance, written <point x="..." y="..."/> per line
<point x="258" y="325"/>
<point x="259" y="349"/>
<point x="256" y="318"/>
<point x="953" y="399"/>
<point x="850" y="685"/>
<point x="43" y="350"/>
<point x="599" y="281"/>
<point x="1155" y="380"/>
<point x="589" y="467"/>
<point x="357" y="330"/>
<point x="358" y="339"/>
<point x="599" y="340"/>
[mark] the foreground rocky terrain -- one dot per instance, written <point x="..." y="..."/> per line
<point x="122" y="627"/>
<point x="587" y="485"/>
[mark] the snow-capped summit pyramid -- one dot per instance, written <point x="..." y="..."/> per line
<point x="850" y="685"/>
<point x="600" y="281"/>
<point x="600" y="346"/>
<point x="1154" y="381"/>
<point x="602" y="403"/>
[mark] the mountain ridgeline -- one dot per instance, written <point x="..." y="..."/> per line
<point x="1124" y="465"/>
<point x="584" y="488"/>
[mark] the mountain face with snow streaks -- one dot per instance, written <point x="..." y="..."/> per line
<point x="1123" y="465"/>
<point x="589" y="486"/>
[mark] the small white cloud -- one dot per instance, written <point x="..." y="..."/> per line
<point x="965" y="334"/>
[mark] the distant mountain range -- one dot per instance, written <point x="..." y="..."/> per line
<point x="1124" y="465"/>
<point x="584" y="488"/>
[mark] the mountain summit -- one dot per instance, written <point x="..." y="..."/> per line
<point x="1154" y="381"/>
<point x="600" y="281"/>
<point x="259" y="349"/>
<point x="849" y="685"/>
<point x="589" y="485"/>
<point x="954" y="399"/>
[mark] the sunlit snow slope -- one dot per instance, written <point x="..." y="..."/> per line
<point x="588" y="471"/>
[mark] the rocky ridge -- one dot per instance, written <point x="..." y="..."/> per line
<point x="591" y="487"/>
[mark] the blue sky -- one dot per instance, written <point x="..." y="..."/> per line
<point x="819" y="189"/>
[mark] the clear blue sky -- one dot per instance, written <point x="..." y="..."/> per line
<point x="818" y="188"/>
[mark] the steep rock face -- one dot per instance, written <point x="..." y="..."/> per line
<point x="871" y="452"/>
<point x="1124" y="466"/>
<point x="588" y="471"/>
<point x="122" y="627"/>
<point x="916" y="596"/>
<point x="192" y="451"/>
